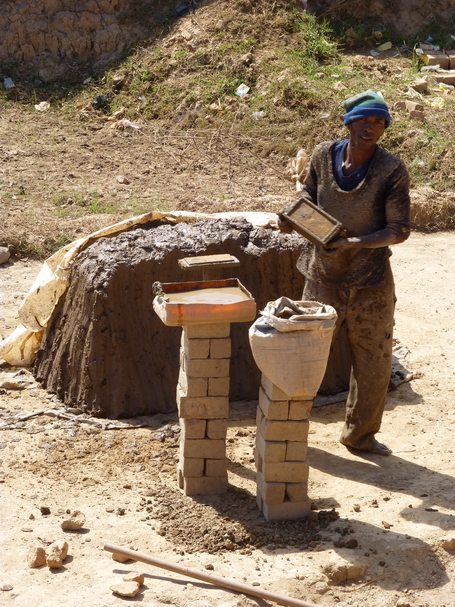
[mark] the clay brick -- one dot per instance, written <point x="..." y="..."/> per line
<point x="192" y="466"/>
<point x="211" y="330"/>
<point x="218" y="386"/>
<point x="220" y="348"/>
<point x="202" y="407"/>
<point x="436" y="58"/>
<point x="193" y="386"/>
<point x="205" y="485"/>
<point x="271" y="493"/>
<point x="413" y="105"/>
<point x="272" y="391"/>
<point x="207" y="367"/>
<point x="296" y="451"/>
<point x="195" y="348"/>
<point x="271" y="451"/>
<point x="286" y="511"/>
<point x="192" y="428"/>
<point x="217" y="429"/>
<point x="286" y="472"/>
<point x="300" y="409"/>
<point x="444" y="78"/>
<point x="297" y="492"/>
<point x="417" y="115"/>
<point x="273" y="409"/>
<point x="284" y="430"/>
<point x="204" y="448"/>
<point x="216" y="467"/>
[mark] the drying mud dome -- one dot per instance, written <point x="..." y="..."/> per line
<point x="124" y="361"/>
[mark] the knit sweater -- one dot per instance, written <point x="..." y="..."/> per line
<point x="381" y="200"/>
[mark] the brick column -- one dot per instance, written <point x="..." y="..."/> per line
<point x="203" y="405"/>
<point x="280" y="454"/>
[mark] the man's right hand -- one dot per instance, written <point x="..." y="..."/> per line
<point x="284" y="225"/>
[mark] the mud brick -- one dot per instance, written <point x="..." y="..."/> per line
<point x="207" y="331"/>
<point x="297" y="492"/>
<point x="273" y="409"/>
<point x="205" y="447"/>
<point x="205" y="485"/>
<point x="193" y="386"/>
<point x="286" y="511"/>
<point x="286" y="472"/>
<point x="192" y="466"/>
<point x="271" y="451"/>
<point x="271" y="493"/>
<point x="413" y="105"/>
<point x="195" y="348"/>
<point x="192" y="428"/>
<point x="220" y="348"/>
<point x="448" y="78"/>
<point x="284" y="430"/>
<point x="217" y="429"/>
<point x="202" y="407"/>
<point x="216" y="467"/>
<point x="436" y="58"/>
<point x="296" y="451"/>
<point x="417" y="115"/>
<point x="218" y="386"/>
<point x="299" y="409"/>
<point x="272" y="391"/>
<point x="207" y="367"/>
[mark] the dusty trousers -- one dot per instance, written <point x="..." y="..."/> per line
<point x="367" y="317"/>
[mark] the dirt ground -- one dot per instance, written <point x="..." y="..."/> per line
<point x="386" y="516"/>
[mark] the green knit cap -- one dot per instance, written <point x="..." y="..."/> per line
<point x="364" y="105"/>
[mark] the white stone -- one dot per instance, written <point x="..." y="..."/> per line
<point x="125" y="588"/>
<point x="75" y="521"/>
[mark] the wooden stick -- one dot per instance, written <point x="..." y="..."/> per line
<point x="207" y="577"/>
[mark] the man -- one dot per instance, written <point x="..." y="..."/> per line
<point x="367" y="190"/>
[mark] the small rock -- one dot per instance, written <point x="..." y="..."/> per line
<point x="120" y="558"/>
<point x="4" y="254"/>
<point x="7" y="587"/>
<point x="56" y="554"/>
<point x="125" y="181"/>
<point x="339" y="572"/>
<point x="448" y="543"/>
<point x="139" y="468"/>
<point x="75" y="521"/>
<point x="45" y="510"/>
<point x="356" y="508"/>
<point x="403" y="603"/>
<point x="27" y="529"/>
<point x="125" y="588"/>
<point x="36" y="557"/>
<point x="134" y="576"/>
<point x="386" y="525"/>
<point x="210" y="567"/>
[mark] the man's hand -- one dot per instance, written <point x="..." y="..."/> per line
<point x="284" y="225"/>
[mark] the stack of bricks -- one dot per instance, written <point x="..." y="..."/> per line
<point x="280" y="454"/>
<point x="203" y="405"/>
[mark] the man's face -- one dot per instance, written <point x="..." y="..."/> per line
<point x="365" y="132"/>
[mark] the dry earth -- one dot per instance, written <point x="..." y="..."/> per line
<point x="385" y="515"/>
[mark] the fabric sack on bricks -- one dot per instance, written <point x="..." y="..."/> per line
<point x="290" y="342"/>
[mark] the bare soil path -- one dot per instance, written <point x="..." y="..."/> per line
<point x="391" y="513"/>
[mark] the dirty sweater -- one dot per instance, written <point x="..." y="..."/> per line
<point x="381" y="200"/>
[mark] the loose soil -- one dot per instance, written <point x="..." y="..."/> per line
<point x="387" y="515"/>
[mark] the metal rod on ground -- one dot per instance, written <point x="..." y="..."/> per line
<point x="207" y="577"/>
